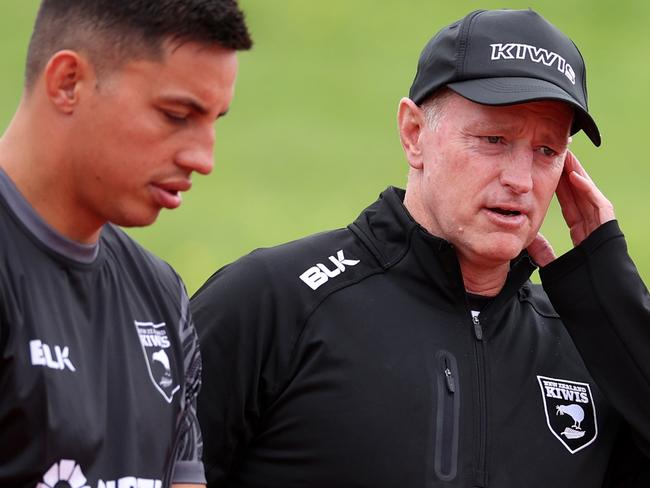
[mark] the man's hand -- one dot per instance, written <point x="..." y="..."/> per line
<point x="541" y="251"/>
<point x="583" y="205"/>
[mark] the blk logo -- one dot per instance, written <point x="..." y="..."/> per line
<point x="320" y="273"/>
<point x="56" y="357"/>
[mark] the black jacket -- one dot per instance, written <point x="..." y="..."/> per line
<point x="350" y="359"/>
<point x="606" y="308"/>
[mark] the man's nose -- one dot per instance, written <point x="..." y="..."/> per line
<point x="517" y="170"/>
<point x="198" y="152"/>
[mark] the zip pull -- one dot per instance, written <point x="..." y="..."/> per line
<point x="478" y="330"/>
<point x="449" y="378"/>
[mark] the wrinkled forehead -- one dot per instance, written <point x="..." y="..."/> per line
<point x="555" y="116"/>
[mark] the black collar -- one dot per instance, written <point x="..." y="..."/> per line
<point x="392" y="235"/>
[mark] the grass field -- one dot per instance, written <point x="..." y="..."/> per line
<point x="311" y="137"/>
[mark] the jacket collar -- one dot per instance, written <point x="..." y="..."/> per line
<point x="390" y="233"/>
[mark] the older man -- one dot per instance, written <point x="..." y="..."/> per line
<point x="99" y="365"/>
<point x="409" y="349"/>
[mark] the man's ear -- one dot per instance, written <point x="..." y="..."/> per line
<point x="64" y="74"/>
<point x="411" y="122"/>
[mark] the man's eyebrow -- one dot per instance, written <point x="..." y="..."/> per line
<point x="497" y="126"/>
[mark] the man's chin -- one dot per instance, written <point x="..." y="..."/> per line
<point x="502" y="250"/>
<point x="131" y="221"/>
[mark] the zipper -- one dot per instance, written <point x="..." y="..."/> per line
<point x="449" y="378"/>
<point x="478" y="329"/>
<point x="447" y="418"/>
<point x="479" y="350"/>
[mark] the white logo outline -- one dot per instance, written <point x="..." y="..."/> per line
<point x="534" y="54"/>
<point x="168" y="397"/>
<point x="567" y="408"/>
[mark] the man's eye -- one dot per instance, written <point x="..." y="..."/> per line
<point x="493" y="139"/>
<point x="175" y="117"/>
<point x="547" y="151"/>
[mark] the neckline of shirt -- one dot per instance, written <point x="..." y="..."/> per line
<point x="34" y="223"/>
<point x="477" y="302"/>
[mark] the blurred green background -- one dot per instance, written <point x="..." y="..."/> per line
<point x="311" y="137"/>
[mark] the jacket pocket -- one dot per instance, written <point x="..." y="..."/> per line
<point x="448" y="416"/>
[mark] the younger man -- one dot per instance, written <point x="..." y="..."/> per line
<point x="99" y="366"/>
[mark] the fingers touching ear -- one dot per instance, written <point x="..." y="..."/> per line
<point x="410" y="119"/>
<point x="63" y="75"/>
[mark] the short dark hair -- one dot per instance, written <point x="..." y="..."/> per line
<point x="111" y="32"/>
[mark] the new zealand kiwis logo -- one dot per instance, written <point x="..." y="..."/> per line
<point x="155" y="344"/>
<point x="570" y="412"/>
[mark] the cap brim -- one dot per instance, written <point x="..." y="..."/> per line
<point x="513" y="90"/>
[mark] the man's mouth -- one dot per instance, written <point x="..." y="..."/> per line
<point x="504" y="211"/>
<point x="171" y="192"/>
<point x="507" y="216"/>
<point x="168" y="194"/>
<point x="174" y="187"/>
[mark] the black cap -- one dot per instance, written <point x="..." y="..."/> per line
<point x="504" y="57"/>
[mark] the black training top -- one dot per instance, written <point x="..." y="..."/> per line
<point x="99" y="367"/>
<point x="351" y="358"/>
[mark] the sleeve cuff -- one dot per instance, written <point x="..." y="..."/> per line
<point x="190" y="472"/>
<point x="576" y="257"/>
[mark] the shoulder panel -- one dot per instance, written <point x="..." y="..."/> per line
<point x="301" y="273"/>
<point x="260" y="303"/>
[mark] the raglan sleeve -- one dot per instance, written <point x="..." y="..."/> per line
<point x="605" y="306"/>
<point x="235" y="313"/>
<point x="188" y="466"/>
